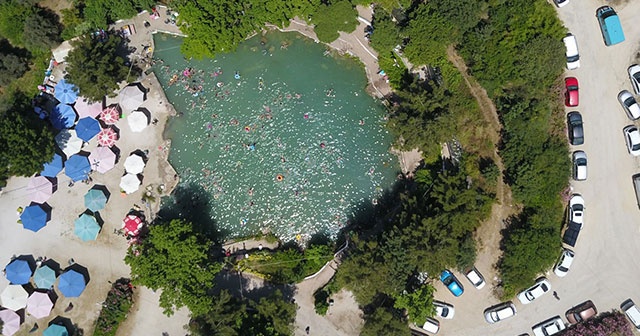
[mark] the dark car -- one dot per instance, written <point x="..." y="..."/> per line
<point x="574" y="125"/>
<point x="572" y="97"/>
<point x="581" y="312"/>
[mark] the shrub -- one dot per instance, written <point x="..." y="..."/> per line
<point x="605" y="325"/>
<point x="115" y="308"/>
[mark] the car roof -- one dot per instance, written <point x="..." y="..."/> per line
<point x="634" y="135"/>
<point x="474" y="276"/>
<point x="431" y="325"/>
<point x="571" y="43"/>
<point x="571" y="81"/>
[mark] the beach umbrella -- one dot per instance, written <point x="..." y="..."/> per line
<point x="40" y="189"/>
<point x="53" y="168"/>
<point x="86" y="109"/>
<point x="55" y="330"/>
<point x="18" y="272"/>
<point x="78" y="167"/>
<point x="132" y="225"/>
<point x="66" y="92"/>
<point x="39" y="305"/>
<point x="102" y="159"/>
<point x="134" y="164"/>
<point x="87" y="128"/>
<point x="130" y="183"/>
<point x="14" y="297"/>
<point x="34" y="217"/>
<point x="71" y="283"/>
<point x="137" y="121"/>
<point x="107" y="137"/>
<point x="11" y="322"/>
<point x="44" y="277"/>
<point x="86" y="228"/>
<point x="110" y="115"/>
<point x="95" y="199"/>
<point x="132" y="96"/>
<point x="69" y="142"/>
<point x="63" y="116"/>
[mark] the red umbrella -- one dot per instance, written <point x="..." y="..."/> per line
<point x="110" y="115"/>
<point x="132" y="224"/>
<point x="107" y="137"/>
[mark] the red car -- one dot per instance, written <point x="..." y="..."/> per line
<point x="571" y="94"/>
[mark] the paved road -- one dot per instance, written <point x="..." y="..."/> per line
<point x="606" y="267"/>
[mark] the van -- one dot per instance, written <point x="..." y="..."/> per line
<point x="610" y="25"/>
<point x="636" y="186"/>
<point x="573" y="56"/>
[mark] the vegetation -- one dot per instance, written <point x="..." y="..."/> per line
<point x="100" y="13"/>
<point x="385" y="321"/>
<point x="607" y="324"/>
<point x="12" y="66"/>
<point x="115" y="308"/>
<point x="419" y="304"/>
<point x="174" y="258"/>
<point x="337" y="16"/>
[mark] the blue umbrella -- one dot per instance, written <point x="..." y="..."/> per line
<point x="71" y="283"/>
<point x="77" y="167"/>
<point x="66" y="92"/>
<point x="53" y="168"/>
<point x="95" y="200"/>
<point x="86" y="228"/>
<point x="44" y="277"/>
<point x="19" y="272"/>
<point x="34" y="217"/>
<point x="63" y="116"/>
<point x="55" y="330"/>
<point x="87" y="128"/>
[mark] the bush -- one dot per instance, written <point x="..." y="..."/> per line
<point x="605" y="325"/>
<point x="321" y="302"/>
<point x="115" y="308"/>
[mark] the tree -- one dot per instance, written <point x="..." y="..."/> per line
<point x="419" y="304"/>
<point x="275" y="317"/>
<point x="97" y="66"/>
<point x="101" y="13"/>
<point x="330" y="19"/>
<point x="12" y="15"/>
<point x="175" y="259"/>
<point x="223" y="319"/>
<point x="41" y="31"/>
<point x="11" y="67"/>
<point x="385" y="321"/>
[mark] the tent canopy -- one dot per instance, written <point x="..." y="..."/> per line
<point x="14" y="297"/>
<point x="86" y="228"/>
<point x="134" y="164"/>
<point x="34" y="217"/>
<point x="44" y="277"/>
<point x="66" y="93"/>
<point x="102" y="159"/>
<point x="130" y="183"/>
<point x="95" y="199"/>
<point x="19" y="271"/>
<point x="86" y="109"/>
<point x="87" y="128"/>
<point x="71" y="283"/>
<point x="39" y="305"/>
<point x="78" y="167"/>
<point x="40" y="188"/>
<point x="132" y="96"/>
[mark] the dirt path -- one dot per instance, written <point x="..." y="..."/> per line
<point x="488" y="234"/>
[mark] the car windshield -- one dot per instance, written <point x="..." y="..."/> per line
<point x="572" y="87"/>
<point x="573" y="58"/>
<point x="447" y="281"/>
<point x="629" y="101"/>
<point x="636" y="147"/>
<point x="581" y="162"/>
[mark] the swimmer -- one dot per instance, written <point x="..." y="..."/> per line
<point x="361" y="122"/>
<point x="250" y="192"/>
<point x="306" y="115"/>
<point x="283" y="159"/>
<point x="322" y="145"/>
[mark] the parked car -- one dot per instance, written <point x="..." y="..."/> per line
<point x="549" y="327"/>
<point x="632" y="312"/>
<point x="632" y="138"/>
<point x="444" y="310"/>
<point x="449" y="280"/>
<point x="571" y="92"/>
<point x="581" y="312"/>
<point x="610" y="26"/>
<point x="530" y="294"/>
<point x="500" y="312"/>
<point x="634" y="76"/>
<point x="579" y="165"/>
<point x="573" y="57"/>
<point x="431" y="325"/>
<point x="476" y="279"/>
<point x="636" y="187"/>
<point x="561" y="3"/>
<point x="575" y="128"/>
<point x="564" y="263"/>
<point x="576" y="209"/>
<point x="629" y="104"/>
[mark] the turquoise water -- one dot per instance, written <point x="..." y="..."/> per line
<point x="293" y="146"/>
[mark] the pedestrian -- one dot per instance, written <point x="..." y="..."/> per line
<point x="555" y="295"/>
<point x="69" y="307"/>
<point x="307" y="329"/>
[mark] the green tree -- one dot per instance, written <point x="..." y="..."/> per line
<point x="333" y="18"/>
<point x="223" y="319"/>
<point x="13" y="13"/>
<point x="385" y="321"/>
<point x="275" y="317"/>
<point x="175" y="259"/>
<point x="101" y="13"/>
<point x="11" y="67"/>
<point x="41" y="31"/>
<point x="96" y="67"/>
<point x="419" y="304"/>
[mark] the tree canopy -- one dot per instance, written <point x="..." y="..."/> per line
<point x="41" y="31"/>
<point x="332" y="18"/>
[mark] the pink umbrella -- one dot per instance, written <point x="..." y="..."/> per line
<point x="85" y="109"/>
<point x="40" y="189"/>
<point x="39" y="305"/>
<point x="132" y="224"/>
<point x="107" y="137"/>
<point x="110" y="115"/>
<point x="11" y="322"/>
<point x="102" y="159"/>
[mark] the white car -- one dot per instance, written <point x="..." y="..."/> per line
<point x="476" y="279"/>
<point x="500" y="312"/>
<point x="634" y="76"/>
<point x="632" y="138"/>
<point x="573" y="57"/>
<point x="444" y="310"/>
<point x="632" y="312"/>
<point x="561" y="3"/>
<point x="579" y="165"/>
<point x="528" y="295"/>
<point x="549" y="327"/>
<point x="629" y="104"/>
<point x="576" y="209"/>
<point x="432" y="325"/>
<point x="564" y="263"/>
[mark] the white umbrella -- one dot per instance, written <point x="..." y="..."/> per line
<point x="132" y="96"/>
<point x="137" y="121"/>
<point x="130" y="183"/>
<point x="69" y="142"/>
<point x="14" y="297"/>
<point x="134" y="164"/>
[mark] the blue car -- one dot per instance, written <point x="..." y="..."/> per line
<point x="451" y="282"/>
